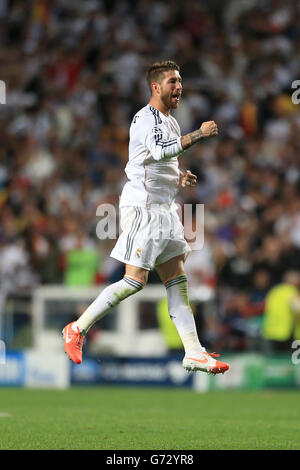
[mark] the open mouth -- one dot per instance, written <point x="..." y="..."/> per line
<point x="176" y="96"/>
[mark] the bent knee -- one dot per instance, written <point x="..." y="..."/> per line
<point x="135" y="284"/>
<point x="171" y="269"/>
<point x="137" y="274"/>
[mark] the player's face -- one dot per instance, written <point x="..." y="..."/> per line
<point x="171" y="89"/>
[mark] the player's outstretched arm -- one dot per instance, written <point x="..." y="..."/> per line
<point x="207" y="129"/>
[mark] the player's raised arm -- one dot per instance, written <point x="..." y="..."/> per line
<point x="149" y="130"/>
<point x="161" y="148"/>
<point x="207" y="129"/>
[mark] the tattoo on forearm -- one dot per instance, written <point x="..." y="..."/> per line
<point x="190" y="139"/>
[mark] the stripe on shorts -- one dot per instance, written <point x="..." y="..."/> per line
<point x="130" y="232"/>
<point x="133" y="231"/>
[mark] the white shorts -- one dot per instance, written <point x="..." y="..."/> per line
<point x="149" y="237"/>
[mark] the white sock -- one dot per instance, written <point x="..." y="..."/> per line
<point x="109" y="297"/>
<point x="181" y="313"/>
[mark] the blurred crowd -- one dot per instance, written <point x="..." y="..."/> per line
<point x="74" y="73"/>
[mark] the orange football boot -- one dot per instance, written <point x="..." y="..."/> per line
<point x="205" y="362"/>
<point x="73" y="343"/>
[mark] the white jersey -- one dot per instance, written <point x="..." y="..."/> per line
<point x="152" y="169"/>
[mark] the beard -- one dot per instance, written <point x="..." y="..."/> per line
<point x="168" y="101"/>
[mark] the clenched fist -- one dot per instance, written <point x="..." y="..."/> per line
<point x="209" y="128"/>
<point x="188" y="179"/>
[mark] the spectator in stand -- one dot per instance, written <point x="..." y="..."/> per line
<point x="281" y="319"/>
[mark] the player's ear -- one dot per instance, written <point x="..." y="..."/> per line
<point x="155" y="87"/>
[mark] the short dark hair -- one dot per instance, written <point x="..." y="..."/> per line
<point x="155" y="72"/>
